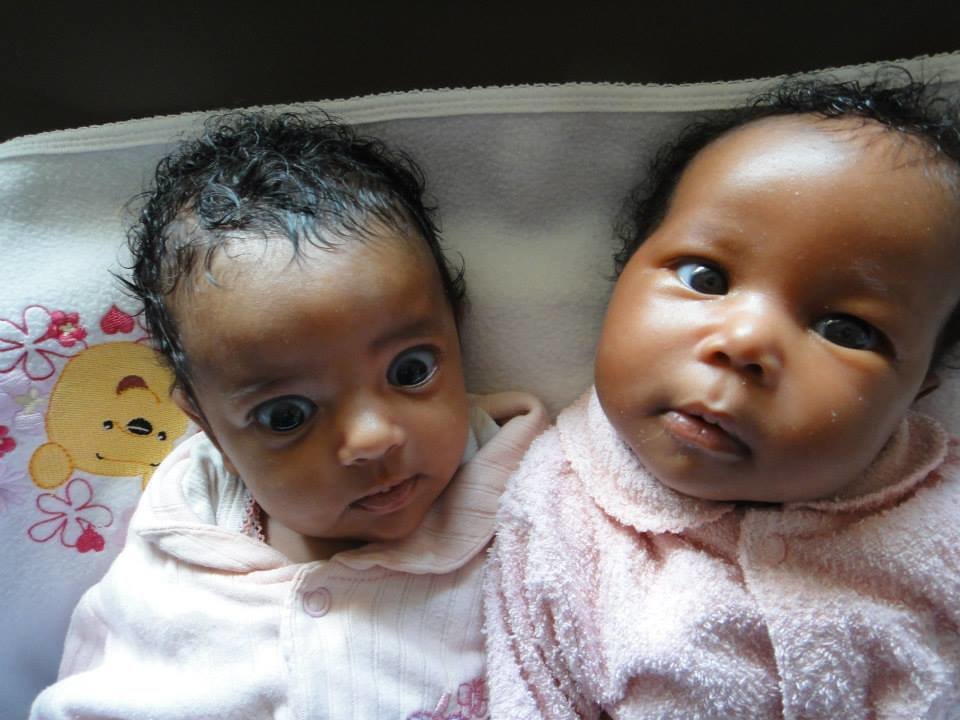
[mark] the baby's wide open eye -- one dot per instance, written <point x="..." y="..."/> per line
<point x="849" y="332"/>
<point x="284" y="414"/>
<point x="702" y="278"/>
<point x="412" y="368"/>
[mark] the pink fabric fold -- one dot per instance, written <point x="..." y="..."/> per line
<point x="607" y="591"/>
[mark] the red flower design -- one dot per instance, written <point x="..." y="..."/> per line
<point x="65" y="328"/>
<point x="6" y="443"/>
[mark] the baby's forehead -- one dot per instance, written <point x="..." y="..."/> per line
<point x="234" y="254"/>
<point x="803" y="179"/>
<point x="810" y="142"/>
<point x="837" y="153"/>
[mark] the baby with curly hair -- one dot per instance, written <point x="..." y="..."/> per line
<point x="317" y="550"/>
<point x="744" y="518"/>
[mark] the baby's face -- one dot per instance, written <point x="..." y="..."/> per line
<point x="332" y="385"/>
<point x="764" y="342"/>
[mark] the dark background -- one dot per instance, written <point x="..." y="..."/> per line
<point x="78" y="63"/>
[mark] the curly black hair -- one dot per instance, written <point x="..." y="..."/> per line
<point x="892" y="98"/>
<point x="303" y="178"/>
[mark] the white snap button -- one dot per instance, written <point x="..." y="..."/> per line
<point x="316" y="603"/>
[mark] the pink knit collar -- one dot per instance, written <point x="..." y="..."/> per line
<point x="620" y="485"/>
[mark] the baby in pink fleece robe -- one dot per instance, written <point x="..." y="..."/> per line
<point x="743" y="518"/>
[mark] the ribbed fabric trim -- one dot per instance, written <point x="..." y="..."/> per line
<point x="516" y="99"/>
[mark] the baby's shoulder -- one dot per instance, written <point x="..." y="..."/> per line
<point x="545" y="486"/>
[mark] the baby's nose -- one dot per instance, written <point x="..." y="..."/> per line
<point x="368" y="435"/>
<point x="749" y="341"/>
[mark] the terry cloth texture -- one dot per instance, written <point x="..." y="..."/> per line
<point x="609" y="591"/>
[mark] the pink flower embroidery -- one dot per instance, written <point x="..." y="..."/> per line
<point x="73" y="517"/>
<point x="7" y="444"/>
<point x="65" y="328"/>
<point x="472" y="698"/>
<point x="39" y="337"/>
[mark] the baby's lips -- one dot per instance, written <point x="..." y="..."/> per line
<point x="387" y="500"/>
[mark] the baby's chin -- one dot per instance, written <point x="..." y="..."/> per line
<point x="721" y="492"/>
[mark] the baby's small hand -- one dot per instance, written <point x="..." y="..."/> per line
<point x="521" y="417"/>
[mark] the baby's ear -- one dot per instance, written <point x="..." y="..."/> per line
<point x="183" y="401"/>
<point x="186" y="403"/>
<point x="930" y="383"/>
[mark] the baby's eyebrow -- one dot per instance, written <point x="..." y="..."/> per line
<point x="866" y="273"/>
<point x="718" y="234"/>
<point x="418" y="327"/>
<point x="237" y="396"/>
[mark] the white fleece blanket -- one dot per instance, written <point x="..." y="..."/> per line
<point x="528" y="181"/>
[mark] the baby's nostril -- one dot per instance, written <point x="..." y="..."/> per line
<point x="140" y="426"/>
<point x="754" y="369"/>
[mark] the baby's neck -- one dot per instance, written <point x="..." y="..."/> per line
<point x="300" y="548"/>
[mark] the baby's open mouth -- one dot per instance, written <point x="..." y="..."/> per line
<point x="389" y="500"/>
<point x="704" y="432"/>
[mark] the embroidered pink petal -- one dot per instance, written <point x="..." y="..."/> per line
<point x="72" y="531"/>
<point x="52" y="504"/>
<point x="36" y="324"/>
<point x="78" y="493"/>
<point x="38" y="366"/>
<point x="12" y="336"/>
<point x="46" y="529"/>
<point x="96" y="515"/>
<point x="10" y="356"/>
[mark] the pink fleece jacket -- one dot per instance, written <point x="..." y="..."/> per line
<point x="609" y="592"/>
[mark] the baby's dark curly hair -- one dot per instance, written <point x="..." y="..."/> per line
<point x="302" y="178"/>
<point x="893" y="99"/>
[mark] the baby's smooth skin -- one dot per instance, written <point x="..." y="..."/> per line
<point x="331" y="383"/>
<point x="766" y="340"/>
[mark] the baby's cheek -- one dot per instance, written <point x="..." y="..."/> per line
<point x="832" y="423"/>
